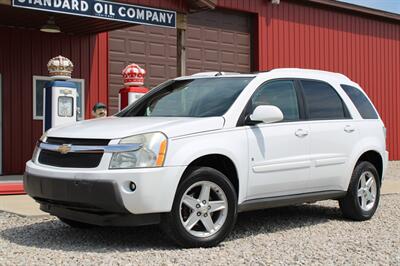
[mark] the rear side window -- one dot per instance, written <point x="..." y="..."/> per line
<point x="322" y="101"/>
<point x="280" y="93"/>
<point x="361" y="102"/>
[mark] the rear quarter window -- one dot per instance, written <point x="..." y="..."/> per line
<point x="361" y="102"/>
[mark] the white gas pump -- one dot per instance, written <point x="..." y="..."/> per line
<point x="59" y="95"/>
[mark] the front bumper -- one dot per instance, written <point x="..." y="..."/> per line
<point x="104" y="191"/>
<point x="94" y="202"/>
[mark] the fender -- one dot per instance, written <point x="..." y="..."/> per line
<point x="363" y="146"/>
<point x="231" y="143"/>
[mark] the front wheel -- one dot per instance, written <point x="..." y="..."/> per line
<point x="362" y="197"/>
<point x="204" y="209"/>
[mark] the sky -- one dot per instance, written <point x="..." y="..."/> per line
<point x="387" y="5"/>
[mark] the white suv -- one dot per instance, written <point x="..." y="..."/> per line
<point x="197" y="150"/>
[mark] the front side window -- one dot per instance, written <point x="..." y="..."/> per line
<point x="361" y="102"/>
<point x="322" y="101"/>
<point x="203" y="97"/>
<point x="280" y="93"/>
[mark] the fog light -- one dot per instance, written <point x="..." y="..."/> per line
<point x="132" y="186"/>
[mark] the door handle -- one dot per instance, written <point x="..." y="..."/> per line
<point x="349" y="128"/>
<point x="301" y="133"/>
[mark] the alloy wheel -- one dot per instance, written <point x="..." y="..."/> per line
<point x="367" y="189"/>
<point x="203" y="209"/>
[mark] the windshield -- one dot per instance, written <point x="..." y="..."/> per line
<point x="201" y="97"/>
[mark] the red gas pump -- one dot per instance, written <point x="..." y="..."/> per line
<point x="133" y="76"/>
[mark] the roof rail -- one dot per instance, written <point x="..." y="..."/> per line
<point x="214" y="74"/>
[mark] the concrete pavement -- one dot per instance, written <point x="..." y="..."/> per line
<point x="390" y="186"/>
<point x="21" y="205"/>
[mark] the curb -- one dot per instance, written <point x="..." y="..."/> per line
<point x="11" y="188"/>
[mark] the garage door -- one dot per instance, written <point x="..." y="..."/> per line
<point x="153" y="48"/>
<point x="216" y="41"/>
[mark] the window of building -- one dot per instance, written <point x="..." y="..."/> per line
<point x="39" y="83"/>
<point x="280" y="93"/>
<point x="322" y="101"/>
<point x="361" y="102"/>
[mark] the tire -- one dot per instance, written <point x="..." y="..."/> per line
<point x="352" y="204"/>
<point x="220" y="209"/>
<point x="75" y="224"/>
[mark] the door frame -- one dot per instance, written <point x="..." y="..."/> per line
<point x="1" y="125"/>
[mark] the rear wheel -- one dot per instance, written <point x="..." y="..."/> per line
<point x="363" y="195"/>
<point x="75" y="224"/>
<point x="204" y="210"/>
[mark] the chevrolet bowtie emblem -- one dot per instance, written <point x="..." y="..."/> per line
<point x="64" y="149"/>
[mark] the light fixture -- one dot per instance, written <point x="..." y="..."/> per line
<point x="51" y="26"/>
<point x="275" y="2"/>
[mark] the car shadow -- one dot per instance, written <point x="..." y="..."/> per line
<point x="283" y="219"/>
<point x="54" y="235"/>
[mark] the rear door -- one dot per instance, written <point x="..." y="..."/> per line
<point x="332" y="134"/>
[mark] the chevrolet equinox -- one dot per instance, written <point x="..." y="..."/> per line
<point x="197" y="150"/>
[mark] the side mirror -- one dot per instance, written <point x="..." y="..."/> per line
<point x="266" y="114"/>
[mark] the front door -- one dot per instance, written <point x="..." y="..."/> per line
<point x="278" y="152"/>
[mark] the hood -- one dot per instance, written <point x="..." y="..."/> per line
<point x="119" y="127"/>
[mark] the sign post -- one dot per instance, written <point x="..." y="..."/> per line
<point x="181" y="45"/>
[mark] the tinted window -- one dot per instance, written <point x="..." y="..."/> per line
<point x="361" y="102"/>
<point x="280" y="93"/>
<point x="201" y="97"/>
<point x="322" y="101"/>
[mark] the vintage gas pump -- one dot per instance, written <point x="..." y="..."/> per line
<point x="133" y="76"/>
<point x="60" y="95"/>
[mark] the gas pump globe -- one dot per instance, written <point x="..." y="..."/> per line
<point x="133" y="76"/>
<point x="60" y="95"/>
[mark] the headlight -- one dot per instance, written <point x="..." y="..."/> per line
<point x="36" y="150"/>
<point x="152" y="153"/>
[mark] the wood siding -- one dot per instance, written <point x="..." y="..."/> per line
<point x="24" y="53"/>
<point x="365" y="48"/>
